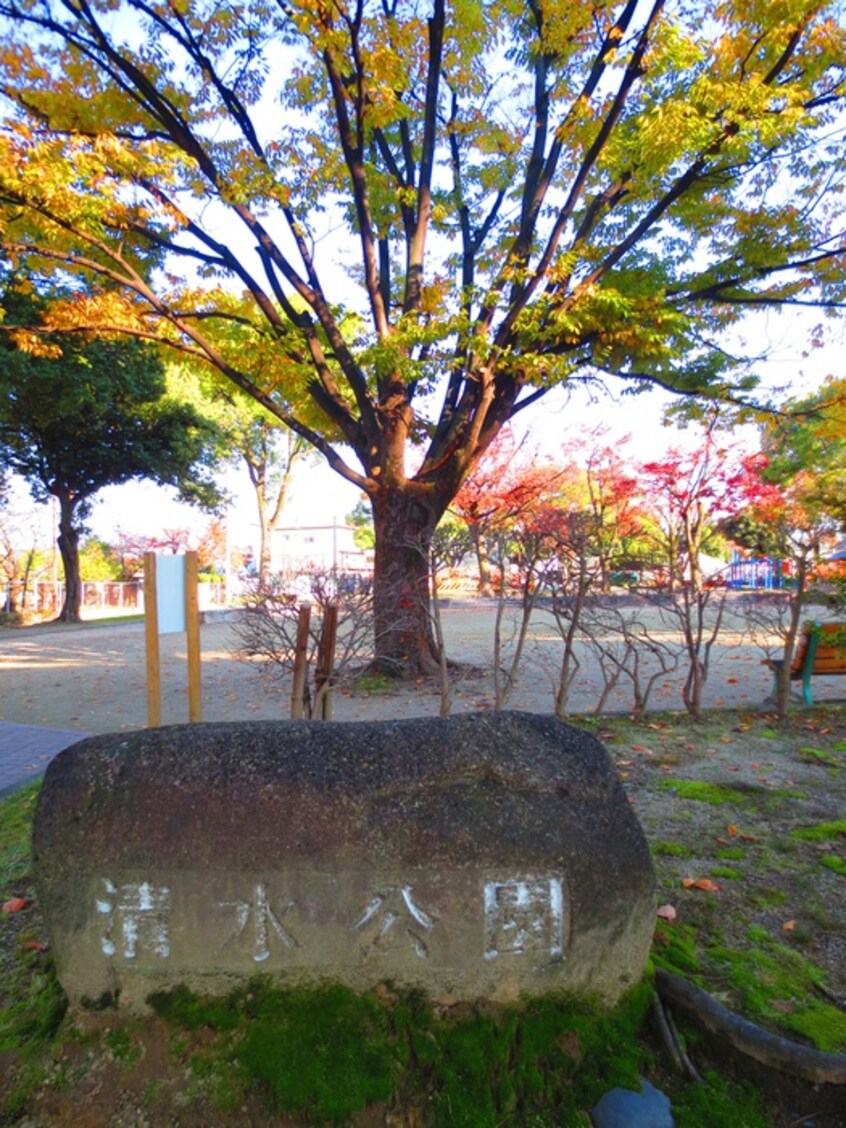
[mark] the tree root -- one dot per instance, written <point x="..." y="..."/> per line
<point x="769" y="1049"/>
<point x="673" y="1043"/>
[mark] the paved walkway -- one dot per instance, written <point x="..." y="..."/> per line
<point x="26" y="750"/>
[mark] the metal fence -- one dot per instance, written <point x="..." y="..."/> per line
<point x="99" y="597"/>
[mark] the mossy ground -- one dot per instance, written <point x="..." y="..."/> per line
<point x="734" y="801"/>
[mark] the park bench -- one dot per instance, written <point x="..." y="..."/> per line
<point x="821" y="650"/>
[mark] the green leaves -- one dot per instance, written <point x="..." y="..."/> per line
<point x="499" y="194"/>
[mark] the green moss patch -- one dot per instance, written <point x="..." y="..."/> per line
<point x="719" y="1104"/>
<point x="774" y="985"/>
<point x="820" y="756"/>
<point x="712" y="793"/>
<point x="822" y="832"/>
<point x="675" y="948"/>
<point x="15" y="823"/>
<point x="671" y="850"/>
<point x="326" y="1053"/>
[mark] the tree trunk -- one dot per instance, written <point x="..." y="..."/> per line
<point x="265" y="559"/>
<point x="404" y="643"/>
<point x="69" y="548"/>
<point x="797" y="606"/>
<point x="483" y="564"/>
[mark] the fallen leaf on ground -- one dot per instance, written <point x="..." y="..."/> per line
<point x="783" y="1006"/>
<point x="701" y="883"/>
<point x="666" y="912"/>
<point x="14" y="905"/>
<point x="789" y="926"/>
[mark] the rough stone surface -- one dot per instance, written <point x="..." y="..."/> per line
<point x="474" y="856"/>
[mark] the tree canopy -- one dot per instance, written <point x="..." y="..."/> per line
<point x="88" y="414"/>
<point x="531" y="193"/>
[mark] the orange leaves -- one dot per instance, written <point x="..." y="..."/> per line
<point x="34" y="344"/>
<point x="107" y="309"/>
<point x="704" y="883"/>
<point x="13" y="905"/>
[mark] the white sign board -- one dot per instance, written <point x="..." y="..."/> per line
<point x="170" y="593"/>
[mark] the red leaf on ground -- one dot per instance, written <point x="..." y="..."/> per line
<point x="14" y="905"/>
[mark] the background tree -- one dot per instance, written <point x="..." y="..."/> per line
<point x="89" y="414"/>
<point x="19" y="554"/>
<point x="689" y="492"/>
<point x="497" y="496"/>
<point x="805" y="444"/>
<point x="360" y="518"/>
<point x="795" y="509"/>
<point x="248" y="434"/>
<point x="611" y="499"/>
<point x="270" y="453"/>
<point x="536" y="193"/>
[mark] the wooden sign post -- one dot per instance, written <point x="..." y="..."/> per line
<point x="171" y="605"/>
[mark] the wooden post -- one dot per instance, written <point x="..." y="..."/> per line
<point x="192" y="631"/>
<point x="299" y="690"/>
<point x="151" y="637"/>
<point x="326" y="662"/>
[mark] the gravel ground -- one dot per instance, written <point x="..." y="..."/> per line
<point x="92" y="677"/>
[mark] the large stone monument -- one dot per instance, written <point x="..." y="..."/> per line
<point x="478" y="856"/>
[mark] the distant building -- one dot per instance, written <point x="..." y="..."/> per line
<point x="296" y="548"/>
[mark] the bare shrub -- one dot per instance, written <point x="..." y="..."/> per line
<point x="697" y="614"/>
<point x="268" y="628"/>
<point x="628" y="646"/>
<point x="450" y="545"/>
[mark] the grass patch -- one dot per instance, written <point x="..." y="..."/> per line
<point x="33" y="1002"/>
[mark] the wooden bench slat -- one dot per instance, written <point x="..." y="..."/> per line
<point x="815" y="654"/>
